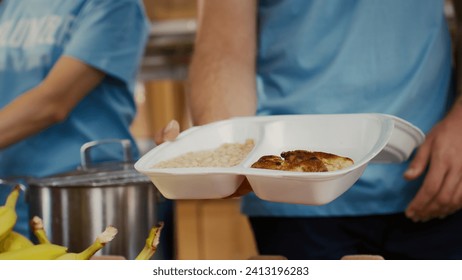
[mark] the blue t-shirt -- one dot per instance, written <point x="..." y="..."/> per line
<point x="34" y="34"/>
<point x="108" y="35"/>
<point x="354" y="56"/>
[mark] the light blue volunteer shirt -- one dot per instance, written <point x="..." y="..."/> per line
<point x="106" y="34"/>
<point x="353" y="56"/>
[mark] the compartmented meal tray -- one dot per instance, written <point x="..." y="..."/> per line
<point x="360" y="137"/>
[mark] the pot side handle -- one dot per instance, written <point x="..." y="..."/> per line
<point x="86" y="148"/>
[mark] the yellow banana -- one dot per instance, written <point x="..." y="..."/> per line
<point x="36" y="225"/>
<point x="8" y="214"/>
<point x="36" y="252"/>
<point x="14" y="241"/>
<point x="152" y="241"/>
<point x="106" y="236"/>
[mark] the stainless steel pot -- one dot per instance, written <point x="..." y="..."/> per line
<point x="77" y="206"/>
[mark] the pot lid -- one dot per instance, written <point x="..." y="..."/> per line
<point x="90" y="174"/>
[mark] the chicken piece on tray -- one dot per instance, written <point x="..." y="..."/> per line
<point x="269" y="162"/>
<point x="303" y="161"/>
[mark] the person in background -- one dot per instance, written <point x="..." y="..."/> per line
<point x="343" y="56"/>
<point x="67" y="76"/>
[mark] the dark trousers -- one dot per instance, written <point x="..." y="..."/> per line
<point x="392" y="236"/>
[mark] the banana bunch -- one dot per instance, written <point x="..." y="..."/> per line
<point x="8" y="214"/>
<point x="15" y="246"/>
<point x="9" y="239"/>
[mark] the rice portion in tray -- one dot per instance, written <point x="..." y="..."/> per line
<point x="226" y="155"/>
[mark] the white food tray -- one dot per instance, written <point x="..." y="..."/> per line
<point x="361" y="137"/>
